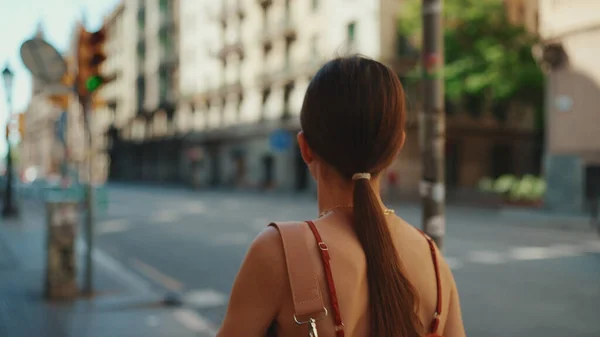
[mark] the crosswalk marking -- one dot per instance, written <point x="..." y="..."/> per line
<point x="113" y="226"/>
<point x="196" y="323"/>
<point x="486" y="257"/>
<point x="204" y="298"/>
<point x="593" y="246"/>
<point x="165" y="217"/>
<point x="453" y="262"/>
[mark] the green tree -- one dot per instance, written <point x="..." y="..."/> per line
<point x="488" y="60"/>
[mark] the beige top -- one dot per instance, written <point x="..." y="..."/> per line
<point x="261" y="293"/>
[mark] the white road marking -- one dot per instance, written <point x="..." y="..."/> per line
<point x="165" y="217"/>
<point x="118" y="270"/>
<point x="155" y="275"/>
<point x="113" y="226"/>
<point x="196" y="323"/>
<point x="453" y="262"/>
<point x="592" y="246"/>
<point x="565" y="250"/>
<point x="204" y="298"/>
<point x="531" y="253"/>
<point x="486" y="257"/>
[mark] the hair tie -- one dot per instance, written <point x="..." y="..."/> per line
<point x="357" y="176"/>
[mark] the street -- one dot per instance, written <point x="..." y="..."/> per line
<point x="516" y="277"/>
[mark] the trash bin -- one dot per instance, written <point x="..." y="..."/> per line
<point x="61" y="273"/>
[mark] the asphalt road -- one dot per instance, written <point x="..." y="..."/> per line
<point x="517" y="274"/>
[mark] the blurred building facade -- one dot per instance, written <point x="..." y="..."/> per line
<point x="245" y="66"/>
<point x="142" y="142"/>
<point x="212" y="94"/>
<point x="569" y="52"/>
<point x="118" y="97"/>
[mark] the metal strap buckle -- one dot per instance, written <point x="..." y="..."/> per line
<point x="323" y="246"/>
<point x="325" y="313"/>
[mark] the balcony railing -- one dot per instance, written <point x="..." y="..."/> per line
<point x="228" y="88"/>
<point x="287" y="26"/>
<point x="236" y="47"/>
<point x="234" y="9"/>
<point x="284" y="27"/>
<point x="290" y="71"/>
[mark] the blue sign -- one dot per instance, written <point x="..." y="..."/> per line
<point x="280" y="140"/>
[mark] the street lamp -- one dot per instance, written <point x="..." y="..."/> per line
<point x="9" y="209"/>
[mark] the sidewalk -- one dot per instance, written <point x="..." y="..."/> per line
<point x="125" y="304"/>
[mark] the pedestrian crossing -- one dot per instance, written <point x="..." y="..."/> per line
<point x="531" y="253"/>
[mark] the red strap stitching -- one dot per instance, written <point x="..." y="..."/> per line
<point x="339" y="326"/>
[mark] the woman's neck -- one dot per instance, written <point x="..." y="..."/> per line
<point x="332" y="195"/>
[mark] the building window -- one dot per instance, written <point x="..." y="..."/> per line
<point x="239" y="104"/>
<point x="315" y="4"/>
<point x="351" y="32"/>
<point x="288" y="49"/>
<point x="265" y="96"/>
<point x="164" y="5"/>
<point x="141" y="17"/>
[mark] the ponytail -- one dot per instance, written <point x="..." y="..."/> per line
<point x="393" y="300"/>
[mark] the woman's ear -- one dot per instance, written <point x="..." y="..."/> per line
<point x="402" y="141"/>
<point x="305" y="150"/>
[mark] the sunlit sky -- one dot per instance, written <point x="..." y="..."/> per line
<point x="19" y="20"/>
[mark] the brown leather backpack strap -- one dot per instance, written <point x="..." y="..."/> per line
<point x="302" y="272"/>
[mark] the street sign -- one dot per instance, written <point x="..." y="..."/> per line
<point x="43" y="60"/>
<point x="280" y="140"/>
<point x="76" y="193"/>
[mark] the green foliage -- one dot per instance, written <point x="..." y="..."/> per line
<point x="488" y="60"/>
<point x="527" y="188"/>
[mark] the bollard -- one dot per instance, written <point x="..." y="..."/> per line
<point x="61" y="272"/>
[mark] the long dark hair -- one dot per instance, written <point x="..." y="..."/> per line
<point x="353" y="118"/>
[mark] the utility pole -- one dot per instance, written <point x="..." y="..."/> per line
<point x="432" y="123"/>
<point x="9" y="209"/>
<point x="90" y="57"/>
<point x="88" y="287"/>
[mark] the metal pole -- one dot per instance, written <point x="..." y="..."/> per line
<point x="89" y="203"/>
<point x="432" y="123"/>
<point x="9" y="209"/>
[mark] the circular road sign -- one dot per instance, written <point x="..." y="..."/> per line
<point x="43" y="60"/>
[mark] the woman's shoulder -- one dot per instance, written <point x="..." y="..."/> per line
<point x="266" y="245"/>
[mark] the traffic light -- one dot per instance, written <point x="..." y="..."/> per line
<point x="90" y="57"/>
